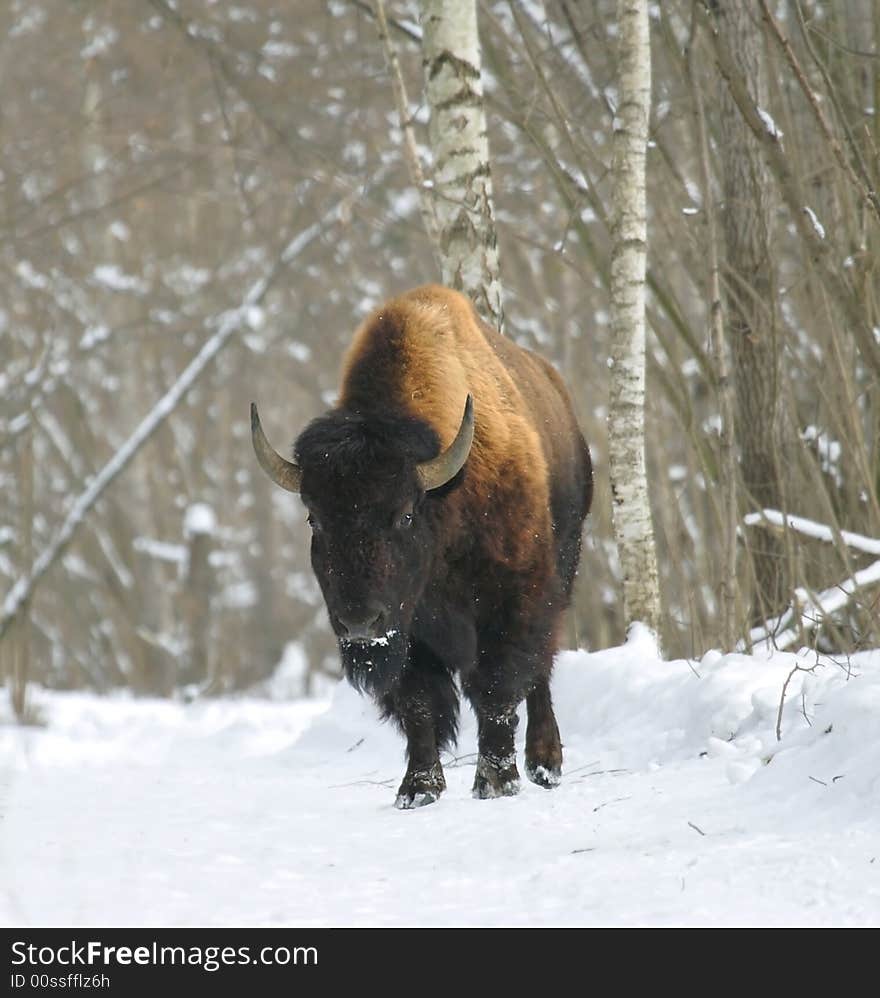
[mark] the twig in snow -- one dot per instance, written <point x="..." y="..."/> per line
<point x="804" y="707"/>
<point x="696" y="828"/>
<point x="457" y="761"/>
<point x="601" y="772"/>
<point x="617" y="800"/>
<point x="798" y="668"/>
<point x="586" y="765"/>
<point x="362" y="783"/>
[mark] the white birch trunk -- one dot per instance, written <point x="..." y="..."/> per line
<point x="457" y="134"/>
<point x="631" y="509"/>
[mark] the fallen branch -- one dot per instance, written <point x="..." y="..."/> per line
<point x="773" y="519"/>
<point x="807" y="611"/>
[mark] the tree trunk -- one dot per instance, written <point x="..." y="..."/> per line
<point x="21" y="644"/>
<point x="198" y="588"/>
<point x="728" y="471"/>
<point x="633" y="528"/>
<point x="750" y="295"/>
<point x="457" y="133"/>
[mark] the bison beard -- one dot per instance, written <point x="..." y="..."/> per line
<point x="375" y="666"/>
<point x="446" y="536"/>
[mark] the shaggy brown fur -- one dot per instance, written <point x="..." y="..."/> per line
<point x="423" y="353"/>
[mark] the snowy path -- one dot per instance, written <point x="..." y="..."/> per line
<point x="233" y="812"/>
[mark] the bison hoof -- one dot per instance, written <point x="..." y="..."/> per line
<point x="420" y="787"/>
<point x="407" y="801"/>
<point x="493" y="780"/>
<point x="547" y="777"/>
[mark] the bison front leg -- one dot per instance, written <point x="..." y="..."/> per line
<point x="425" y="706"/>
<point x="497" y="775"/>
<point x="505" y="673"/>
<point x="493" y="690"/>
<point x="423" y="781"/>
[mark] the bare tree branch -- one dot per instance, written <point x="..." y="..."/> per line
<point x="866" y="193"/>
<point x="228" y="323"/>
<point x="410" y="151"/>
<point x="818" y="246"/>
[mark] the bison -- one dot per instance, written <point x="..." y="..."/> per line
<point x="446" y="493"/>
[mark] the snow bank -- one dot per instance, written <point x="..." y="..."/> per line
<point x="646" y="714"/>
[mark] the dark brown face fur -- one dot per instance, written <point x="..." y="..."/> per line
<point x="373" y="530"/>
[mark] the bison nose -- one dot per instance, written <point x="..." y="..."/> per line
<point x="362" y="627"/>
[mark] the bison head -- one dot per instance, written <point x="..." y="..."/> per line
<point x="374" y="487"/>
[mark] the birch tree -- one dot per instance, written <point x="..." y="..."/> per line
<point x="457" y="133"/>
<point x="633" y="528"/>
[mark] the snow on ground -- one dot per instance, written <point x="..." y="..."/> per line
<point x="678" y="807"/>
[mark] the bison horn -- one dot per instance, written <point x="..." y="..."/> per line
<point x="438" y="471"/>
<point x="283" y="473"/>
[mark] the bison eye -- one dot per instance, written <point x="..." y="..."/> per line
<point x="312" y="522"/>
<point x="404" y="521"/>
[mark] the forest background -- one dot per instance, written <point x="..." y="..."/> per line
<point x="172" y="172"/>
